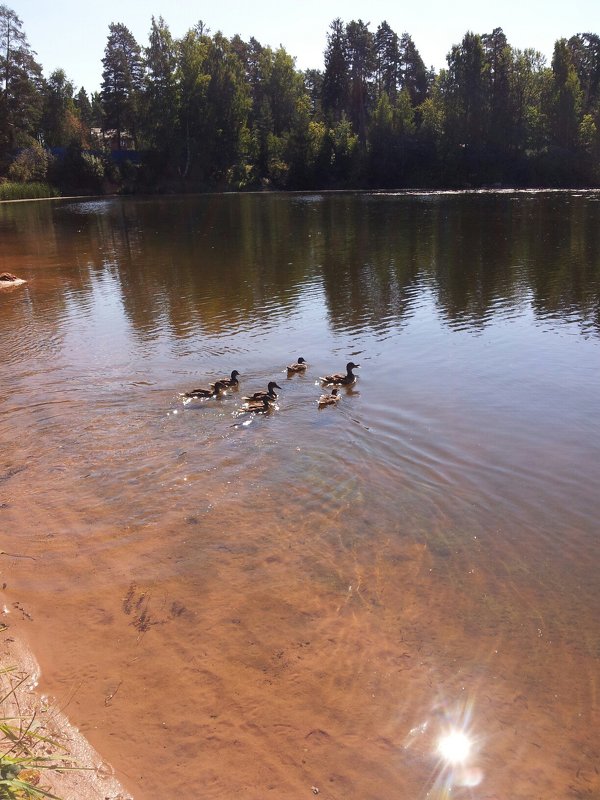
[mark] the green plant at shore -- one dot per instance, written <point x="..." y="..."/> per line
<point x="26" y="191"/>
<point x="25" y="752"/>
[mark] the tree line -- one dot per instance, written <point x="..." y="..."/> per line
<point x="206" y="111"/>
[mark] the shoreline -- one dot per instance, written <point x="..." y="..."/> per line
<point x="397" y="191"/>
<point x="92" y="778"/>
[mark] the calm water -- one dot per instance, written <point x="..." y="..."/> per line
<point x="316" y="598"/>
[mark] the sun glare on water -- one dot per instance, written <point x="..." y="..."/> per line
<point x="455" y="747"/>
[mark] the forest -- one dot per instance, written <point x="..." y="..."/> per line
<point x="207" y="112"/>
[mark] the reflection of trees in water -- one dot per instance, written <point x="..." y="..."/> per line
<point x="51" y="248"/>
<point x="208" y="264"/>
<point x="493" y="253"/>
<point x="370" y="260"/>
<point x="481" y="255"/>
<point x="218" y="262"/>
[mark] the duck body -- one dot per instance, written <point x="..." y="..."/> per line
<point x="198" y="394"/>
<point x="339" y="379"/>
<point x="230" y="382"/>
<point x="270" y="393"/>
<point x="328" y="399"/>
<point x="256" y="406"/>
<point x="299" y="366"/>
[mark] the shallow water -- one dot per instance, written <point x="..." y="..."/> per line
<point x="313" y="598"/>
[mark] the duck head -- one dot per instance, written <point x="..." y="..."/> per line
<point x="351" y="365"/>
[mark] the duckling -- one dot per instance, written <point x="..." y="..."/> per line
<point x="339" y="379"/>
<point x="271" y="394"/>
<point x="299" y="366"/>
<point x="215" y="390"/>
<point x="256" y="406"/>
<point x="229" y="382"/>
<point x="328" y="399"/>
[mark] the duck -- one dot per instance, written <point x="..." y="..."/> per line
<point x="229" y="382"/>
<point x="256" y="406"/>
<point x="339" y="379"/>
<point x="215" y="390"/>
<point x="299" y="366"/>
<point x="271" y="394"/>
<point x="328" y="399"/>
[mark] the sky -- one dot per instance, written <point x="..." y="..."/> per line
<point x="72" y="34"/>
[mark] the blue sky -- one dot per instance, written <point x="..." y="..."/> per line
<point x="72" y="34"/>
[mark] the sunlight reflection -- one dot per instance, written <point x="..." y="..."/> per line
<point x="455" y="747"/>
<point x="456" y="751"/>
<point x="448" y="738"/>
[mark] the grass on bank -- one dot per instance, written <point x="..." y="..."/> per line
<point x="25" y="751"/>
<point x="26" y="191"/>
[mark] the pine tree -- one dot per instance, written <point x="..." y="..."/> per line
<point x="121" y="82"/>
<point x="20" y="84"/>
<point x="84" y="108"/>
<point x="336" y="77"/>
<point x="565" y="102"/>
<point x="413" y="73"/>
<point x="361" y="61"/>
<point x="387" y="59"/>
<point x="160" y="89"/>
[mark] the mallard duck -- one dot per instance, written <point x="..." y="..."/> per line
<point x="271" y="394"/>
<point x="231" y="381"/>
<point x="329" y="399"/>
<point x="339" y="379"/>
<point x="215" y="390"/>
<point x="256" y="406"/>
<point x="299" y="366"/>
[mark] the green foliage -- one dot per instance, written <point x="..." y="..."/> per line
<point x="336" y="78"/>
<point x="206" y="111"/>
<point x="161" y="98"/>
<point x="588" y="135"/>
<point x="60" y="120"/>
<point x="26" y="191"/>
<point x="26" y="752"/>
<point x="79" y="171"/>
<point x="30" y="164"/>
<point x="21" y="81"/>
<point x="121" y="81"/>
<point x="565" y="98"/>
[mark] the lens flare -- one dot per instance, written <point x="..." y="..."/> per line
<point x="455" y="747"/>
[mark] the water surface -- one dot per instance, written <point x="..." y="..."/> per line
<point x="315" y="598"/>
